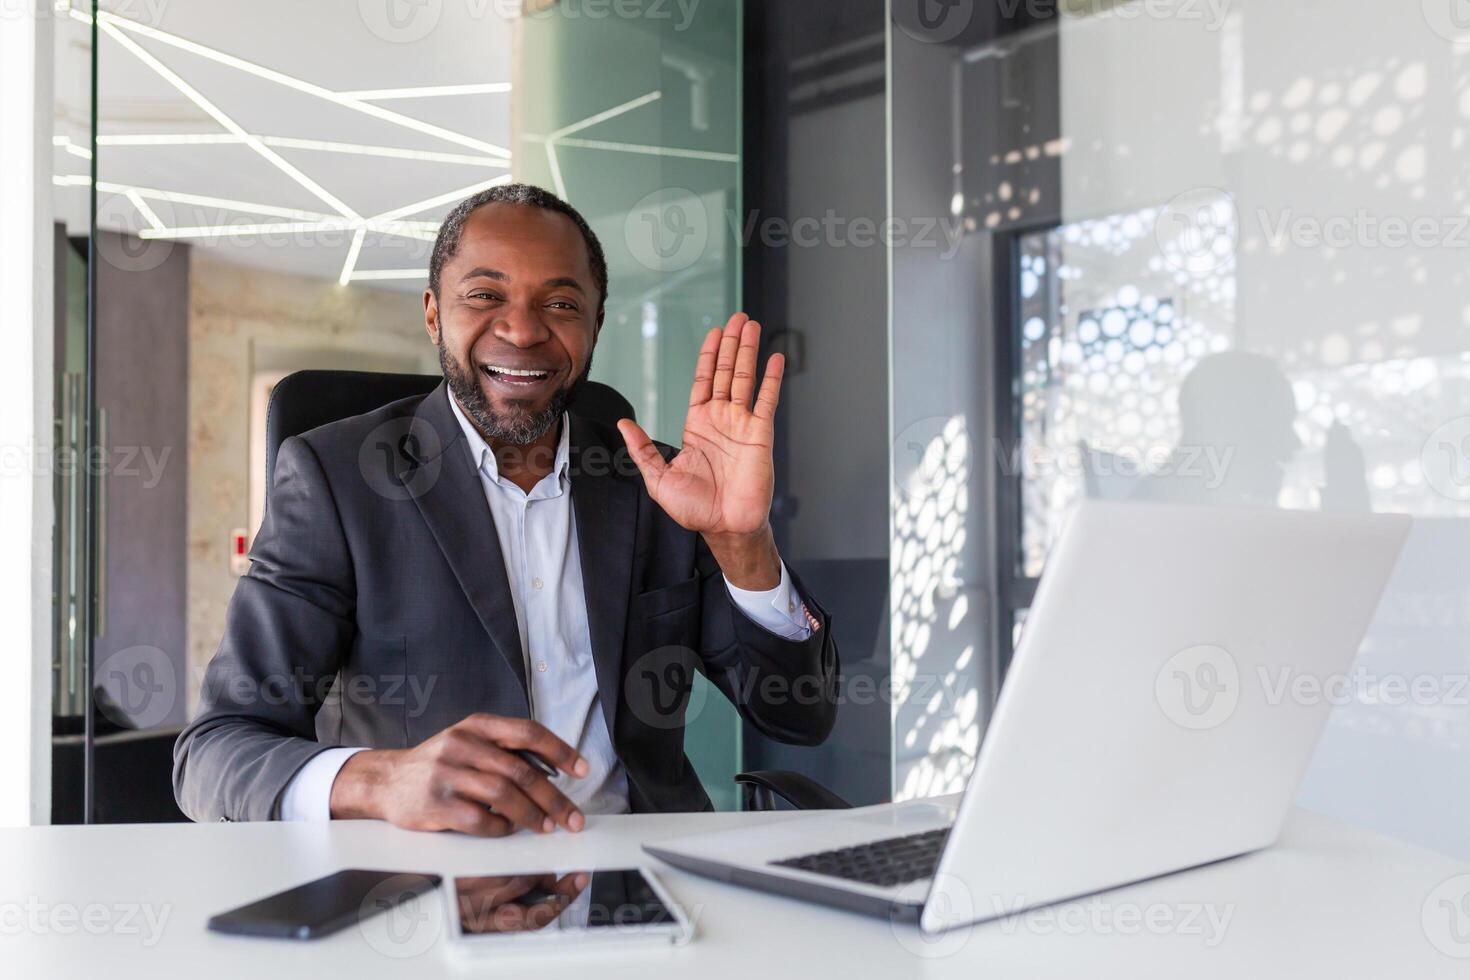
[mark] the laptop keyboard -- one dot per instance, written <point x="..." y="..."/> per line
<point x="885" y="863"/>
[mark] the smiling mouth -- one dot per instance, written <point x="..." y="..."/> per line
<point x="505" y="374"/>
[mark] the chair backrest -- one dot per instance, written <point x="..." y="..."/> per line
<point x="306" y="399"/>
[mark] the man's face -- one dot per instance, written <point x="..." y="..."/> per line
<point x="515" y="320"/>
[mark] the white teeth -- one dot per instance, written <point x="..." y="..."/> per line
<point x="518" y="373"/>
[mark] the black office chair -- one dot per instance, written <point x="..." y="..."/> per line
<point x="304" y="400"/>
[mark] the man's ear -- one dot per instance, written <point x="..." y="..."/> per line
<point x="597" y="330"/>
<point x="431" y="316"/>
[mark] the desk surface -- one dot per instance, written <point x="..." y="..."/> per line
<point x="131" y="901"/>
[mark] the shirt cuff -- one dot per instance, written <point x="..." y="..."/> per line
<point x="308" y="795"/>
<point x="779" y="610"/>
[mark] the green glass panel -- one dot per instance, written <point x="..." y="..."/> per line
<point x="631" y="111"/>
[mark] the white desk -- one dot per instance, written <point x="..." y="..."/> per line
<point x="1328" y="902"/>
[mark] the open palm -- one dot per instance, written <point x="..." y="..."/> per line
<point x="721" y="480"/>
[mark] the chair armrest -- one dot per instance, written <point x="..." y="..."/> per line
<point x="759" y="790"/>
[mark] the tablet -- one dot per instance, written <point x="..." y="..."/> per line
<point x="573" y="909"/>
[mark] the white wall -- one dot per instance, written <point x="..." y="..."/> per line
<point x="25" y="417"/>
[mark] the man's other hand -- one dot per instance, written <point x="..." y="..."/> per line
<point x="466" y="778"/>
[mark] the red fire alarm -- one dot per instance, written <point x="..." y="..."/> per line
<point x="239" y="551"/>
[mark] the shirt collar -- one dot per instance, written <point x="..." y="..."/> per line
<point x="482" y="457"/>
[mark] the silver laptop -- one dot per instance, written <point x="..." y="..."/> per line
<point x="1158" y="715"/>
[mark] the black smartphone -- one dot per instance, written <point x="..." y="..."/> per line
<point x="320" y="908"/>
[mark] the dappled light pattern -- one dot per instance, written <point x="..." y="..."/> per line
<point x="936" y="710"/>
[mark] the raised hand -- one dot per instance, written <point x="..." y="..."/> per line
<point x="721" y="481"/>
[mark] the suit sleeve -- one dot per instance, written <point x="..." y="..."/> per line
<point x="289" y="626"/>
<point x="786" y="688"/>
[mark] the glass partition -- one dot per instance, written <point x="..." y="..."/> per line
<point x="269" y="182"/>
<point x="1217" y="256"/>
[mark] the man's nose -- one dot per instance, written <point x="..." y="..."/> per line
<point x="521" y="327"/>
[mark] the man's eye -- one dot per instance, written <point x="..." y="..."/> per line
<point x="564" y="304"/>
<point x="481" y="295"/>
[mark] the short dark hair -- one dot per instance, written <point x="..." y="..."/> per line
<point x="446" y="245"/>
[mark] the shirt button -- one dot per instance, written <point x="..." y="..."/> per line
<point x="540" y="666"/>
<point x="536" y="583"/>
<point x="791" y="606"/>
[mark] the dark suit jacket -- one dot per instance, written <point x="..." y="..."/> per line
<point x="377" y="612"/>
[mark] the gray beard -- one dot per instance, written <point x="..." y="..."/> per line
<point x="518" y="427"/>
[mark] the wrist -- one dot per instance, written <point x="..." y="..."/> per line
<point x="749" y="561"/>
<point x="358" y="786"/>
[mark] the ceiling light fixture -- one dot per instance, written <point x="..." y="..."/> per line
<point x="281" y="78"/>
<point x="189" y="92"/>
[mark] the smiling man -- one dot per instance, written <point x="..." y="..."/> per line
<point x="536" y="585"/>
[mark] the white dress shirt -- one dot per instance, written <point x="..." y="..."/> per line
<point x="538" y="541"/>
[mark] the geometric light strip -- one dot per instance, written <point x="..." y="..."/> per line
<point x="193" y="95"/>
<point x="369" y="275"/>
<point x="281" y="78"/>
<point x="352" y="254"/>
<point x="180" y="197"/>
<point x="653" y="151"/>
<point x="427" y="91"/>
<point x="555" y="164"/>
<point x="305" y="221"/>
<point x="294" y="143"/>
<point x="389" y="223"/>
<point x="446" y="198"/>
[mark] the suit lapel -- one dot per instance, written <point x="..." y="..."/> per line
<point x="452" y="500"/>
<point x="605" y="506"/>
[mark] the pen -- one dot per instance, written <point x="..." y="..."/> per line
<point x="540" y="764"/>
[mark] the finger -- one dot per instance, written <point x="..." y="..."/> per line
<point x="765" y="402"/>
<point x="746" y="358"/>
<point x="540" y="915"/>
<point x="645" y="454"/>
<point x="725" y="359"/>
<point x="502" y="796"/>
<point x="508" y="889"/>
<point x="523" y="733"/>
<point x="704" y="368"/>
<point x="571" y="885"/>
<point x="472" y="818"/>
<point x="560" y="810"/>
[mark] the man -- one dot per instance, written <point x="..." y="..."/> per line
<point x="405" y="652"/>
